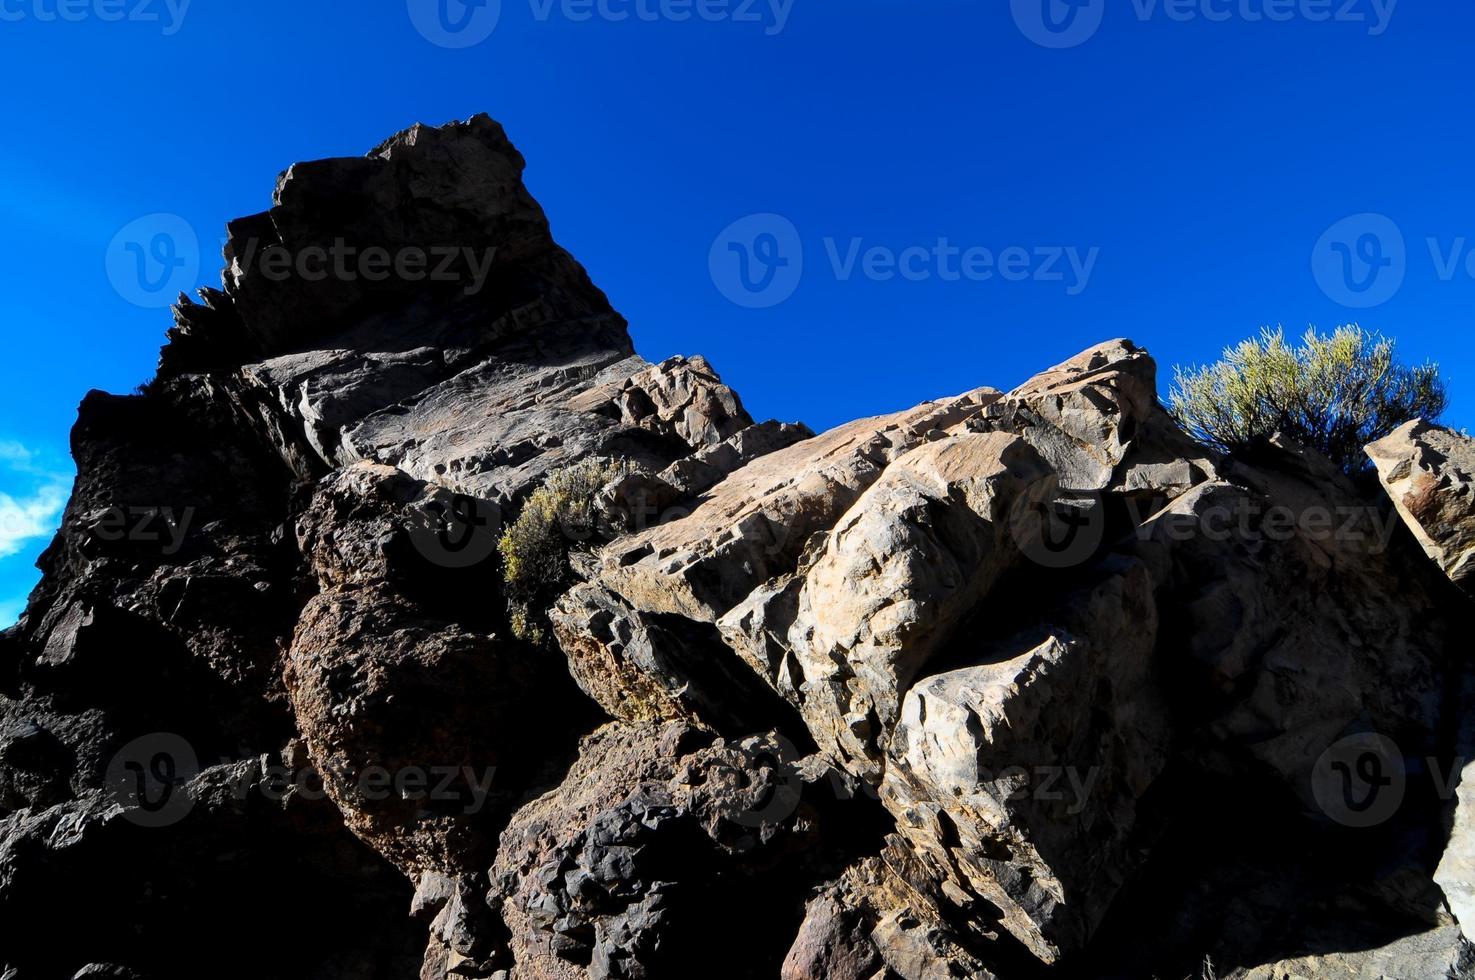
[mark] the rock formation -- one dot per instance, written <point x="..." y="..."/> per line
<point x="1429" y="472"/>
<point x="1009" y="685"/>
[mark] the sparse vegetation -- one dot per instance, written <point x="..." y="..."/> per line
<point x="1334" y="393"/>
<point x="558" y="517"/>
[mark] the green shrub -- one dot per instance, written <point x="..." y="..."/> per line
<point x="1334" y="393"/>
<point x="558" y="517"/>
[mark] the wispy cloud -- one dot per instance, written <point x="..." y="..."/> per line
<point x="14" y="455"/>
<point x="29" y="517"/>
<point x="32" y="496"/>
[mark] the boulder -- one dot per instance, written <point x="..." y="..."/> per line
<point x="1293" y="620"/>
<point x="886" y="588"/>
<point x="657" y="846"/>
<point x="379" y="669"/>
<point x="1018" y="780"/>
<point x="1429" y="473"/>
<point x="754" y="525"/>
<point x="1435" y="955"/>
<point x="1455" y="874"/>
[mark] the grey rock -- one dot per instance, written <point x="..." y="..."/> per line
<point x="1014" y="791"/>
<point x="1439" y="954"/>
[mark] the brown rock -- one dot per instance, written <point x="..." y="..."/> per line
<point x="1429" y="472"/>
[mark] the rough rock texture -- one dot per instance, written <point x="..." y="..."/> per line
<point x="1007" y="686"/>
<point x="1027" y="621"/>
<point x="380" y="662"/>
<point x="354" y="626"/>
<point x="1435" y="955"/>
<point x="1455" y="874"/>
<point x="1018" y="779"/>
<point x="511" y="366"/>
<point x="1286" y="642"/>
<point x="891" y="582"/>
<point x="659" y="844"/>
<point x="1429" y="472"/>
<point x="833" y="942"/>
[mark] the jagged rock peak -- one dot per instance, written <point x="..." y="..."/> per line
<point x="433" y="214"/>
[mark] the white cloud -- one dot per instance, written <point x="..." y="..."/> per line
<point x="32" y="516"/>
<point x="32" y="496"/>
<point x="15" y="456"/>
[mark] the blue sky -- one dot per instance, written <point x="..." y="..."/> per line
<point x="975" y="193"/>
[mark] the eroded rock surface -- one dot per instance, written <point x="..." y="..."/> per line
<point x="661" y="845"/>
<point x="1018" y="793"/>
<point x="1429" y="472"/>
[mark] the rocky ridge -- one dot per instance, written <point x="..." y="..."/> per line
<point x="1008" y="685"/>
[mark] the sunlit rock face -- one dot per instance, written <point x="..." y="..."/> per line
<point x="1429" y="473"/>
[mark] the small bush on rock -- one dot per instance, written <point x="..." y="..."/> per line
<point x="558" y="517"/>
<point x="1334" y="393"/>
